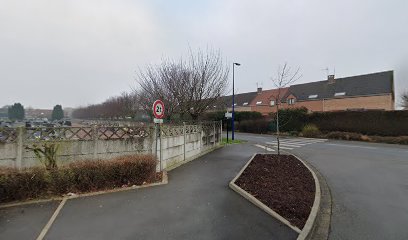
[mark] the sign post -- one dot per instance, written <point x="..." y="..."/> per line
<point x="158" y="109"/>
<point x="227" y="116"/>
<point x="158" y="112"/>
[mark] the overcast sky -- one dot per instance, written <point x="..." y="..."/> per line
<point x="77" y="52"/>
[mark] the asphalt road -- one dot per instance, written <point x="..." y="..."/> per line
<point x="368" y="182"/>
<point x="196" y="204"/>
<point x="369" y="186"/>
<point x="25" y="222"/>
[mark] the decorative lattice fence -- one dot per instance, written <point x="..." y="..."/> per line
<point x="174" y="143"/>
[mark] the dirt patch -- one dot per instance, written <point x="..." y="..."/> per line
<point x="283" y="184"/>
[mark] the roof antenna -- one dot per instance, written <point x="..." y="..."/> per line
<point x="327" y="70"/>
<point x="334" y="73"/>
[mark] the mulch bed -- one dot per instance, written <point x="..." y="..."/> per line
<point x="283" y="184"/>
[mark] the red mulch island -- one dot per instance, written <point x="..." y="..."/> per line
<point x="283" y="184"/>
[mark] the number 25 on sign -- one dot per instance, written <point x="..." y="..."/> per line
<point x="158" y="109"/>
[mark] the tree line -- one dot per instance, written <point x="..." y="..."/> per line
<point x="126" y="105"/>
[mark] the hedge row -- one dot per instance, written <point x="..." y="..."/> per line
<point x="382" y="123"/>
<point x="254" y="126"/>
<point x="77" y="177"/>
<point x="239" y="116"/>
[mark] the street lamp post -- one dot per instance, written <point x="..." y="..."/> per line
<point x="233" y="97"/>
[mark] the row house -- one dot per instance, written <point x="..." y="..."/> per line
<point x="373" y="91"/>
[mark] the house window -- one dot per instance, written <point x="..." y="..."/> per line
<point x="339" y="94"/>
<point x="313" y="96"/>
<point x="291" y="101"/>
<point x="245" y="103"/>
<point x="260" y="102"/>
<point x="272" y="102"/>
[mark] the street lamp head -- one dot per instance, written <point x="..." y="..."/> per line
<point x="238" y="64"/>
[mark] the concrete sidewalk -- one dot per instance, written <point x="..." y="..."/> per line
<point x="196" y="204"/>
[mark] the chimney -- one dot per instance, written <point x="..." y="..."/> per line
<point x="331" y="79"/>
<point x="259" y="90"/>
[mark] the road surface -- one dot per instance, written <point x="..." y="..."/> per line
<point x="368" y="182"/>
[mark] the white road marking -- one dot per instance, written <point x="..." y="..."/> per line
<point x="52" y="219"/>
<point x="302" y="141"/>
<point x="266" y="148"/>
<point x="320" y="139"/>
<point x="282" y="147"/>
<point x="286" y="143"/>
<point x="342" y="145"/>
<point x="283" y="144"/>
<point x="291" y="143"/>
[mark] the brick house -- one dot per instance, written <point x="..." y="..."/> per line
<point x="363" y="92"/>
<point x="265" y="101"/>
<point x="242" y="101"/>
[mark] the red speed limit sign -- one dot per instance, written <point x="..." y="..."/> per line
<point x="158" y="109"/>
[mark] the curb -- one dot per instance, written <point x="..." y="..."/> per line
<point x="311" y="220"/>
<point x="321" y="226"/>
<point x="163" y="182"/>
<point x="318" y="223"/>
<point x="256" y="202"/>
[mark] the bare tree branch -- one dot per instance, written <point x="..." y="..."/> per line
<point x="404" y="100"/>
<point x="187" y="87"/>
<point x="285" y="76"/>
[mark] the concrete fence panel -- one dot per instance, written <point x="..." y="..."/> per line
<point x="175" y="144"/>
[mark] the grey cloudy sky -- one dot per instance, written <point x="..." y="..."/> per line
<point x="77" y="52"/>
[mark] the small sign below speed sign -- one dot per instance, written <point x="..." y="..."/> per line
<point x="158" y="109"/>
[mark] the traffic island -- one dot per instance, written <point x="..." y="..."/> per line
<point x="283" y="186"/>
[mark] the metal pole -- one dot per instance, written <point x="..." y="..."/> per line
<point x="227" y="130"/>
<point x="161" y="150"/>
<point x="277" y="127"/>
<point x="184" y="146"/>
<point x="214" y="133"/>
<point x="156" y="132"/>
<point x="233" y="100"/>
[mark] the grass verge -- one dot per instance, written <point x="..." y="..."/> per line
<point x="230" y="141"/>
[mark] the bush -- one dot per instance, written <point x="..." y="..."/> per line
<point x="254" y="126"/>
<point x="394" y="140"/>
<point x="294" y="133"/>
<point x="290" y="119"/>
<point x="25" y="184"/>
<point x="345" y="136"/>
<point x="310" y="130"/>
<point x="360" y="137"/>
<point x="81" y="176"/>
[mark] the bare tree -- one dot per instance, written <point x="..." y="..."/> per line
<point x="404" y="100"/>
<point x="187" y="87"/>
<point x="285" y="76"/>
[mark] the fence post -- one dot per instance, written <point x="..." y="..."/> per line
<point x="220" y="138"/>
<point x="20" y="144"/>
<point x="214" y="133"/>
<point x="95" y="141"/>
<point x="184" y="144"/>
<point x="155" y="144"/>
<point x="161" y="146"/>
